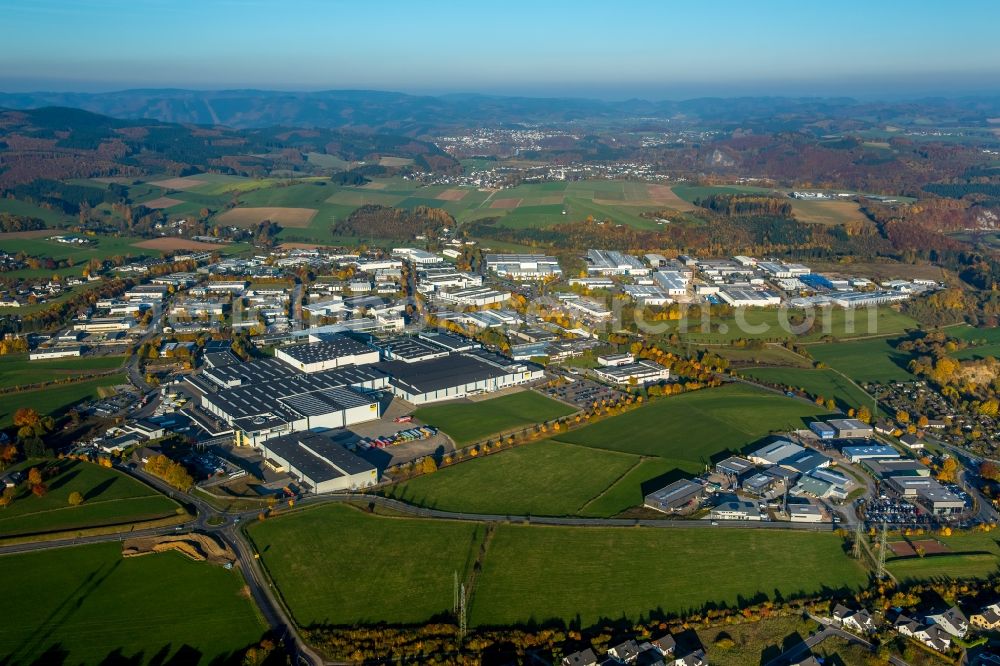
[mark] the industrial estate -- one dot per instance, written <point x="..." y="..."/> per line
<point x="352" y="377"/>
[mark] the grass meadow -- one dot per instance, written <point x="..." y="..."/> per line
<point x="88" y="605"/>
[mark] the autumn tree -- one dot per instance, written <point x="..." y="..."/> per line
<point x="949" y="471"/>
<point x="428" y="465"/>
<point x="75" y="498"/>
<point x="990" y="470"/>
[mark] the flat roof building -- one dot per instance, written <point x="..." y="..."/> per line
<point x="675" y="496"/>
<point x="642" y="372"/>
<point x="612" y="262"/>
<point x="325" y="352"/>
<point x="737" y="509"/>
<point x="859" y="453"/>
<point x="523" y="266"/>
<point x="316" y="460"/>
<point x="851" y="428"/>
<point x="456" y="376"/>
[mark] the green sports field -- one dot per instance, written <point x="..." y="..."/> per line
<point x="467" y="421"/>
<point x="335" y="565"/>
<point x="110" y="498"/>
<point x="403" y="568"/>
<point x="88" y="605"/>
<point x="17" y="370"/>
<point x="51" y="400"/>
<point x="973" y="555"/>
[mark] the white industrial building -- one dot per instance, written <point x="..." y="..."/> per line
<point x="740" y="297"/>
<point x="317" y="461"/>
<point x="672" y="282"/>
<point x="523" y="266"/>
<point x="416" y="255"/>
<point x="43" y="353"/>
<point x="456" y="376"/>
<point x="475" y="297"/>
<point x="611" y="262"/>
<point x="642" y="372"/>
<point x="325" y="352"/>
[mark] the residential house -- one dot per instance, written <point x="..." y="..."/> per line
<point x="932" y="636"/>
<point x="853" y="620"/>
<point x="625" y="653"/>
<point x="987" y="618"/>
<point x="581" y="658"/>
<point x="952" y="620"/>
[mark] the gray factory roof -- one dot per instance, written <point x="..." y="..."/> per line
<point x="331" y="347"/>
<point x="410" y="348"/>
<point x="448" y="341"/>
<point x="445" y="372"/>
<point x="252" y="372"/>
<point x="317" y="456"/>
<point x="266" y="397"/>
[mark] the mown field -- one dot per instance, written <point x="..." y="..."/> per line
<point x="695" y="428"/>
<point x="17" y="370"/>
<point x="468" y="421"/>
<point x="776" y="325"/>
<point x="822" y="382"/>
<point x="603" y="469"/>
<point x="53" y="400"/>
<point x="873" y="360"/>
<point x="974" y="555"/>
<point x="110" y="498"/>
<point x="394" y="570"/>
<point x="88" y="605"/>
<point x="573" y="574"/>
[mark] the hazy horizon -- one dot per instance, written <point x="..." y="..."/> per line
<point x="654" y="51"/>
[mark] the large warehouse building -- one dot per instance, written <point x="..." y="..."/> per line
<point x="456" y="376"/>
<point x="325" y="352"/>
<point x="317" y="461"/>
<point x="265" y="399"/>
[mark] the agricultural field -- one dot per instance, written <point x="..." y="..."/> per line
<point x="872" y="360"/>
<point x="826" y="383"/>
<point x="17" y="370"/>
<point x="605" y="468"/>
<point x="53" y="400"/>
<point x="86" y="601"/>
<point x="468" y="421"/>
<point x="690" y="193"/>
<point x="770" y="355"/>
<point x="801" y="326"/>
<point x="110" y="498"/>
<point x="543" y="478"/>
<point x="531" y="572"/>
<point x="573" y="573"/>
<point x="828" y="212"/>
<point x="696" y="428"/>
<point x="403" y="568"/>
<point x="52" y="218"/>
<point x="972" y="555"/>
<point x="983" y="342"/>
<point x="102" y="247"/>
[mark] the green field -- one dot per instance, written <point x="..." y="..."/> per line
<point x="103" y="247"/>
<point x="541" y="573"/>
<point x="467" y="422"/>
<point x="825" y="382"/>
<point x="17" y="370"/>
<point x="542" y="478"/>
<point x="334" y="564"/>
<point x="775" y="325"/>
<point x="864" y="360"/>
<point x="110" y="498"/>
<point x="51" y="400"/>
<point x="695" y="428"/>
<point x="605" y="468"/>
<point x="404" y="568"/>
<point x="88" y="605"/>
<point x="691" y="192"/>
<point x="974" y="555"/>
<point x="52" y="218"/>
<point x="984" y="342"/>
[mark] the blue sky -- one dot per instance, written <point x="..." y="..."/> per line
<point x="610" y="49"/>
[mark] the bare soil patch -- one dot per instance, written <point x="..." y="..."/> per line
<point x="34" y="233"/>
<point x="162" y="202"/>
<point x="453" y="194"/>
<point x="198" y="547"/>
<point x="932" y="546"/>
<point x="167" y="243"/>
<point x="902" y="549"/>
<point x="374" y="186"/>
<point x="178" y="183"/>
<point x="251" y="217"/>
<point x="664" y="196"/>
<point x="505" y="203"/>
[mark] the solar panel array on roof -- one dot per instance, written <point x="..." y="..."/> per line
<point x="331" y="347"/>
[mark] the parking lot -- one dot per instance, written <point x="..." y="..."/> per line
<point x="580" y="392"/>
<point x="895" y="511"/>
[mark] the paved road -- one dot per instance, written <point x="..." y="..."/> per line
<point x="805" y="647"/>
